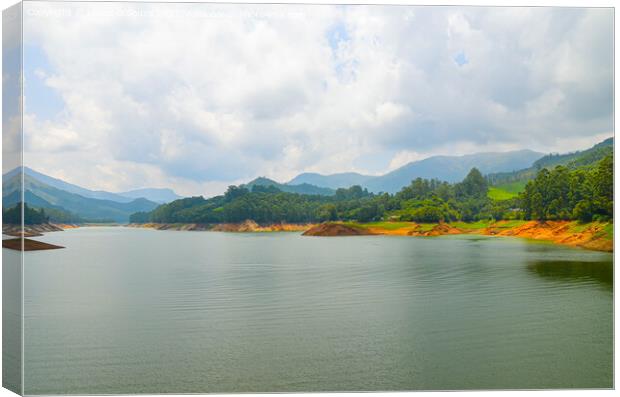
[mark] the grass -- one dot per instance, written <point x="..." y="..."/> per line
<point x="391" y="225"/>
<point x="506" y="191"/>
<point x="425" y="227"/>
<point x="577" y="227"/>
<point x="498" y="194"/>
<point x="514" y="187"/>
<point x="607" y="232"/>
<point x="388" y="225"/>
<point x="471" y="225"/>
<point x="511" y="224"/>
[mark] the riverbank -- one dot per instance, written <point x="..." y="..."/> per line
<point x="31" y="231"/>
<point x="34" y="230"/>
<point x="596" y="236"/>
<point x="248" y="226"/>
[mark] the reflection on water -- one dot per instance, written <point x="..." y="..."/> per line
<point x="575" y="271"/>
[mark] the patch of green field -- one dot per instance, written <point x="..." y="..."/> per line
<point x="388" y="225"/>
<point x="607" y="232"/>
<point x="506" y="191"/>
<point x="355" y="224"/>
<point x="471" y="225"/>
<point x="498" y="194"/>
<point x="425" y="227"/>
<point x="577" y="227"/>
<point x="510" y="224"/>
<point x="514" y="187"/>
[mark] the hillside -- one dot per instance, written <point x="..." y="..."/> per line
<point x="303" y="188"/>
<point x="151" y="194"/>
<point x="333" y="181"/>
<point x="578" y="159"/>
<point x="451" y="168"/>
<point x="41" y="195"/>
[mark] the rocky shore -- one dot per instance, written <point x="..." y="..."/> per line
<point x="33" y="230"/>
<point x="595" y="236"/>
<point x="244" y="227"/>
<point x="337" y="229"/>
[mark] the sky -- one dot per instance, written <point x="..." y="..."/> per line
<point x="197" y="97"/>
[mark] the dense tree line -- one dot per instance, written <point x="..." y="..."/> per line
<point x="422" y="201"/>
<point x="584" y="194"/>
<point x="32" y="216"/>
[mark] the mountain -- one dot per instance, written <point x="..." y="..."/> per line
<point x="42" y="195"/>
<point x="577" y="159"/>
<point x="303" y="188"/>
<point x="152" y="194"/>
<point x="451" y="168"/>
<point x="445" y="168"/>
<point x="333" y="181"/>
<point x="160" y="196"/>
<point x="71" y="188"/>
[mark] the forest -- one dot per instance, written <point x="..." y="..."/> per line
<point x="562" y="193"/>
<point x="32" y="216"/>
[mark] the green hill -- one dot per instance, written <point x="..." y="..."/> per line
<point x="579" y="159"/>
<point x="304" y="188"/>
<point x="38" y="194"/>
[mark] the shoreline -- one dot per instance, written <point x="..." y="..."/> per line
<point x="248" y="226"/>
<point x="34" y="230"/>
<point x="593" y="236"/>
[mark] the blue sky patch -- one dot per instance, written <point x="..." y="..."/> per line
<point x="41" y="100"/>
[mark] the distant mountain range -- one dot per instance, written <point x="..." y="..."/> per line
<point x="445" y="168"/>
<point x="75" y="202"/>
<point x="157" y="195"/>
<point x="498" y="166"/>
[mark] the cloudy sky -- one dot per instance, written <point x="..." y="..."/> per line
<point x="200" y="96"/>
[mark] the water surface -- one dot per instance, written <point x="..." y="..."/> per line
<point x="125" y="310"/>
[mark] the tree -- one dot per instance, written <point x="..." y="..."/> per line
<point x="474" y="185"/>
<point x="234" y="192"/>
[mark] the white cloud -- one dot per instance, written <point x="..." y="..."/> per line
<point x="157" y="96"/>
